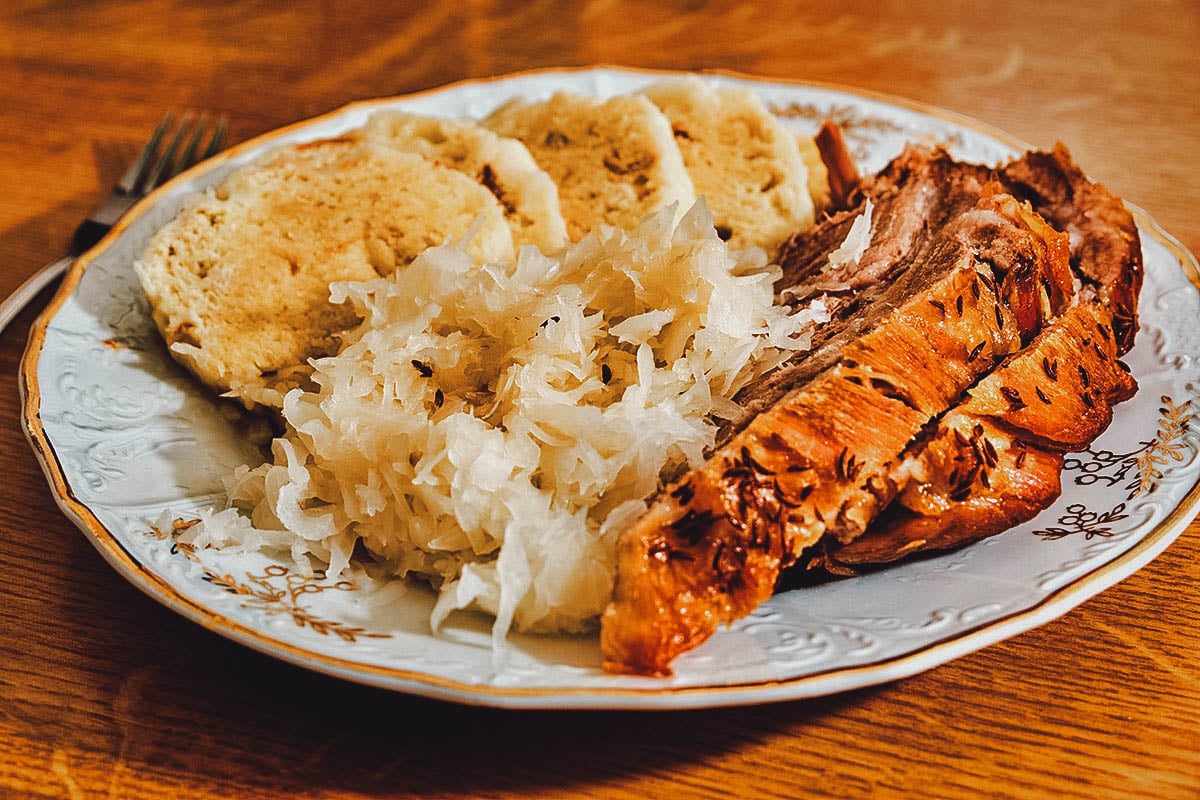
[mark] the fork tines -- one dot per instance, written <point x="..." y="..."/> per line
<point x="185" y="146"/>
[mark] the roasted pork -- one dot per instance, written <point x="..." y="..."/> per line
<point x="918" y="420"/>
<point x="996" y="459"/>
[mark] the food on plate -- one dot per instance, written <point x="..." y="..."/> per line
<point x="995" y="459"/>
<point x="501" y="164"/>
<point x="646" y="416"/>
<point x="742" y="160"/>
<point x="1105" y="246"/>
<point x="491" y="427"/>
<point x="238" y="281"/>
<point x="614" y="160"/>
<point x="955" y="324"/>
<point x="842" y="177"/>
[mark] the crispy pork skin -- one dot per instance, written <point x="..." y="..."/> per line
<point x="996" y="459"/>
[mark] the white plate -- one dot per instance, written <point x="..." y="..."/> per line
<point x="123" y="434"/>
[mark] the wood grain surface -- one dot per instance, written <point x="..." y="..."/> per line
<point x="105" y="694"/>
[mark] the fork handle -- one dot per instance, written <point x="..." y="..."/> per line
<point x="23" y="294"/>
<point x="91" y="231"/>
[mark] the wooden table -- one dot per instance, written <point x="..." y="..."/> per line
<point x="103" y="693"/>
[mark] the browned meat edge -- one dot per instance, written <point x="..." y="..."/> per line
<point x="713" y="546"/>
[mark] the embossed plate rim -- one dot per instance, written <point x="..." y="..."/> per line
<point x="618" y="695"/>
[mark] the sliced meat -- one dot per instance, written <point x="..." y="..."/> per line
<point x="995" y="460"/>
<point x="813" y="463"/>
<point x="918" y="192"/>
<point x="961" y="500"/>
<point x="866" y="449"/>
<point x="1105" y="243"/>
<point x="1106" y="247"/>
<point x="915" y="195"/>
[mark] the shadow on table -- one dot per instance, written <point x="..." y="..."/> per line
<point x="167" y="701"/>
<point x="28" y="245"/>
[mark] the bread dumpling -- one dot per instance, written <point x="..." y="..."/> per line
<point x="742" y="160"/>
<point x="501" y="164"/>
<point x="615" y="161"/>
<point x="238" y="282"/>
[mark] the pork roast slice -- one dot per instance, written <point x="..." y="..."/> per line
<point x="807" y="460"/>
<point x="1105" y="245"/>
<point x="996" y="459"/>
<point x="811" y="461"/>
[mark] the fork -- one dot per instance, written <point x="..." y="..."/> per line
<point x="163" y="157"/>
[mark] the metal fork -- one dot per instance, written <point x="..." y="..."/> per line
<point x="172" y="149"/>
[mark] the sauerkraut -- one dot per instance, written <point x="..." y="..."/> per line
<point x="491" y="428"/>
